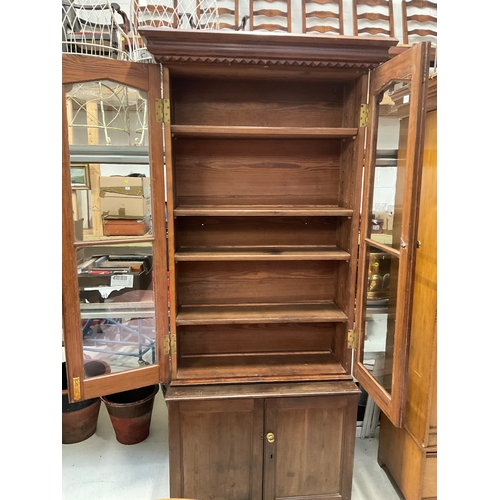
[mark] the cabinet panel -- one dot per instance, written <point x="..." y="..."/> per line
<point x="271" y="232"/>
<point x="256" y="172"/>
<point x="429" y="483"/>
<point x="210" y="283"/>
<point x="216" y="449"/>
<point x="312" y="450"/>
<point x="413" y="468"/>
<point x="262" y="447"/>
<point x="256" y="102"/>
<point x="421" y="419"/>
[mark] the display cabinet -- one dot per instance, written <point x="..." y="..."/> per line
<point x="264" y="183"/>
<point x="264" y="146"/>
<point x="410" y="452"/>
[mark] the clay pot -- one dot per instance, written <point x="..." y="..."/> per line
<point x="94" y="368"/>
<point x="130" y="413"/>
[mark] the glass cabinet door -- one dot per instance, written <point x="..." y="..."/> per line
<point x="388" y="228"/>
<point x="115" y="307"/>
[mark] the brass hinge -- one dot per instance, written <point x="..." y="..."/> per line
<point x="170" y="344"/>
<point x="364" y="115"/>
<point x="162" y="110"/>
<point x="351" y="339"/>
<point x="77" y="395"/>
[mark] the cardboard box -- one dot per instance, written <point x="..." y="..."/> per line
<point x="135" y="207"/>
<point x="78" y="224"/>
<point x="125" y="186"/>
<point x="387" y="220"/>
<point x="127" y="197"/>
<point x="126" y="227"/>
<point x="96" y="287"/>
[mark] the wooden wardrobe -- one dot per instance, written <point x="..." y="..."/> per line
<point x="410" y="452"/>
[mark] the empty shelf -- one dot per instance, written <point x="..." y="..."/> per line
<point x="263" y="132"/>
<point x="293" y="366"/>
<point x="261" y="253"/>
<point x="256" y="210"/>
<point x="288" y="313"/>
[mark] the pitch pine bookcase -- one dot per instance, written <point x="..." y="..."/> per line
<point x="266" y="139"/>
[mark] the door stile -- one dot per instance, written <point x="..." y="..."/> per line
<point x="159" y="226"/>
<point x="170" y="226"/>
<point x="73" y="344"/>
<point x="270" y="436"/>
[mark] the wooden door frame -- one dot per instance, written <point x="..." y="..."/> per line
<point x="145" y="77"/>
<point x="413" y="62"/>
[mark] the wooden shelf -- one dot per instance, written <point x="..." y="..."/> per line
<point x="261" y="253"/>
<point x="232" y="132"/>
<point x="258" y="390"/>
<point x="252" y="368"/>
<point x="263" y="210"/>
<point x="123" y="310"/>
<point x="281" y="313"/>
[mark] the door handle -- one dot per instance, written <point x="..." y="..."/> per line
<point x="270" y="437"/>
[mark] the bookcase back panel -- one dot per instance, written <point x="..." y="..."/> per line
<point x="264" y="103"/>
<point x="254" y="338"/>
<point x="259" y="282"/>
<point x="255" y="231"/>
<point x="256" y="172"/>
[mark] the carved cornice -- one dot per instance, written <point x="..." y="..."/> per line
<point x="253" y="48"/>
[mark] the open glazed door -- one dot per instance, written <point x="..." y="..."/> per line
<point x="386" y="265"/>
<point x="115" y="304"/>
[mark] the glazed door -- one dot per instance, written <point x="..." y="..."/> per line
<point x="387" y="259"/>
<point x="115" y="308"/>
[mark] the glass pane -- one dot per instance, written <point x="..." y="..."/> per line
<point x="110" y="177"/>
<point x="380" y="316"/>
<point x="389" y="177"/>
<point x="105" y="113"/>
<point x="115" y="284"/>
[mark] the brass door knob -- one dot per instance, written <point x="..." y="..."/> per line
<point x="270" y="437"/>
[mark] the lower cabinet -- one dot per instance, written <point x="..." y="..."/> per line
<point x="412" y="466"/>
<point x="241" y="442"/>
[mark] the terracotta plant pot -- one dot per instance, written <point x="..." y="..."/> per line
<point x="94" y="368"/>
<point x="79" y="420"/>
<point x="130" y="413"/>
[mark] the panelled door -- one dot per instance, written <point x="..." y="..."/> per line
<point x="306" y="447"/>
<point x="386" y="267"/>
<point x="254" y="449"/>
<point x="115" y="305"/>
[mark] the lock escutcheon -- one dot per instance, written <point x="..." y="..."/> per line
<point x="270" y="437"/>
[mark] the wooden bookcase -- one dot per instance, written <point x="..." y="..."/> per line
<point x="264" y="183"/>
<point x="264" y="146"/>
